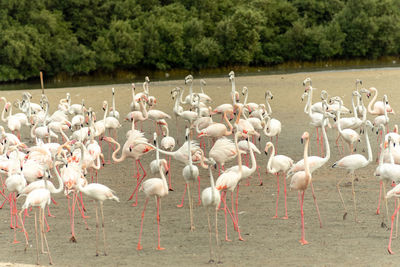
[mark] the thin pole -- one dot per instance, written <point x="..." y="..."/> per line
<point x="41" y="82"/>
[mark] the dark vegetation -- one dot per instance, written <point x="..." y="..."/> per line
<point x="82" y="36"/>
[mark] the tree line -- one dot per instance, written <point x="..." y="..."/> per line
<point x="83" y="36"/>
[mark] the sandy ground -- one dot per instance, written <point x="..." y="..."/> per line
<point x="267" y="241"/>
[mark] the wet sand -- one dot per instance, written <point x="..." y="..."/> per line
<point x="268" y="241"/>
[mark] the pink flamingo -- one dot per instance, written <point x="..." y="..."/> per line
<point x="395" y="192"/>
<point x="168" y="144"/>
<point x="378" y="107"/>
<point x="351" y="163"/>
<point x="211" y="198"/>
<point x="276" y="164"/>
<point x="300" y="181"/>
<point x="98" y="193"/>
<point x="132" y="150"/>
<point x="157" y="187"/>
<point x="228" y="181"/>
<point x="216" y="130"/>
<point x="222" y="151"/>
<point x="37" y="198"/>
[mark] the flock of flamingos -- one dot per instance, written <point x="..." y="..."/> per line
<point x="208" y="144"/>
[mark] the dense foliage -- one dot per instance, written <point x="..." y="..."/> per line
<point x="82" y="36"/>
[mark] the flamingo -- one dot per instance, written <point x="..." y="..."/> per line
<point x="177" y="109"/>
<point x="378" y="107"/>
<point x="132" y="150"/>
<point x="13" y="122"/>
<point x="134" y="104"/>
<point x="243" y="125"/>
<point x="234" y="93"/>
<point x="395" y="192"/>
<point x="113" y="112"/>
<point x="168" y="143"/>
<point x="272" y="127"/>
<point x="382" y="119"/>
<point x="300" y="181"/>
<point x="228" y="181"/>
<point x="249" y="106"/>
<point x="141" y="115"/>
<point x="211" y="198"/>
<point x="386" y="172"/>
<point x="245" y="146"/>
<point x="352" y="163"/>
<point x="190" y="172"/>
<point x="349" y="135"/>
<point x="99" y="193"/>
<point x="157" y="187"/>
<point x="245" y="173"/>
<point x="39" y="197"/>
<point x="222" y="151"/>
<point x="14" y="183"/>
<point x="77" y="108"/>
<point x="276" y="164"/>
<point x="316" y="118"/>
<point x="216" y="130"/>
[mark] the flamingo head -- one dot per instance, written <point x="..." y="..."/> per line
<point x="305" y="135"/>
<point x="7" y="106"/>
<point x="267" y="146"/>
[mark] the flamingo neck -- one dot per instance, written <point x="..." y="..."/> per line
<point x="328" y="150"/>
<point x="368" y="146"/>
<point x="271" y="158"/>
<point x="253" y="159"/>
<point x="239" y="154"/>
<point x="60" y="181"/>
<point x="229" y="125"/>
<point x="306" y="165"/>
<point x="239" y="115"/>
<point x="372" y="100"/>
<point x="354" y="106"/>
<point x="382" y="145"/>
<point x="114" y="154"/>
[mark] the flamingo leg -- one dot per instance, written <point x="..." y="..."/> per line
<point x="341" y="198"/>
<point x="23" y="229"/>
<point x="277" y="196"/>
<point x="138" y="184"/>
<point x="97" y="231"/>
<point x="354" y="198"/>
<point x="237" y="214"/>
<point x="169" y="175"/>
<point x="316" y="204"/>
<point x="45" y="238"/>
<point x="216" y="234"/>
<point x="104" y="230"/>
<point x="198" y="190"/>
<point x="285" y="192"/>
<point x="139" y="246"/>
<point x="137" y="178"/>
<point x="391" y="230"/>
<point x="15" y="231"/>
<point x="303" y="241"/>
<point x="37" y="240"/>
<point x="223" y="198"/>
<point x="158" y="223"/>
<point x="209" y="234"/>
<point x="379" y="201"/>
<point x="190" y="209"/>
<point x="183" y="197"/>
